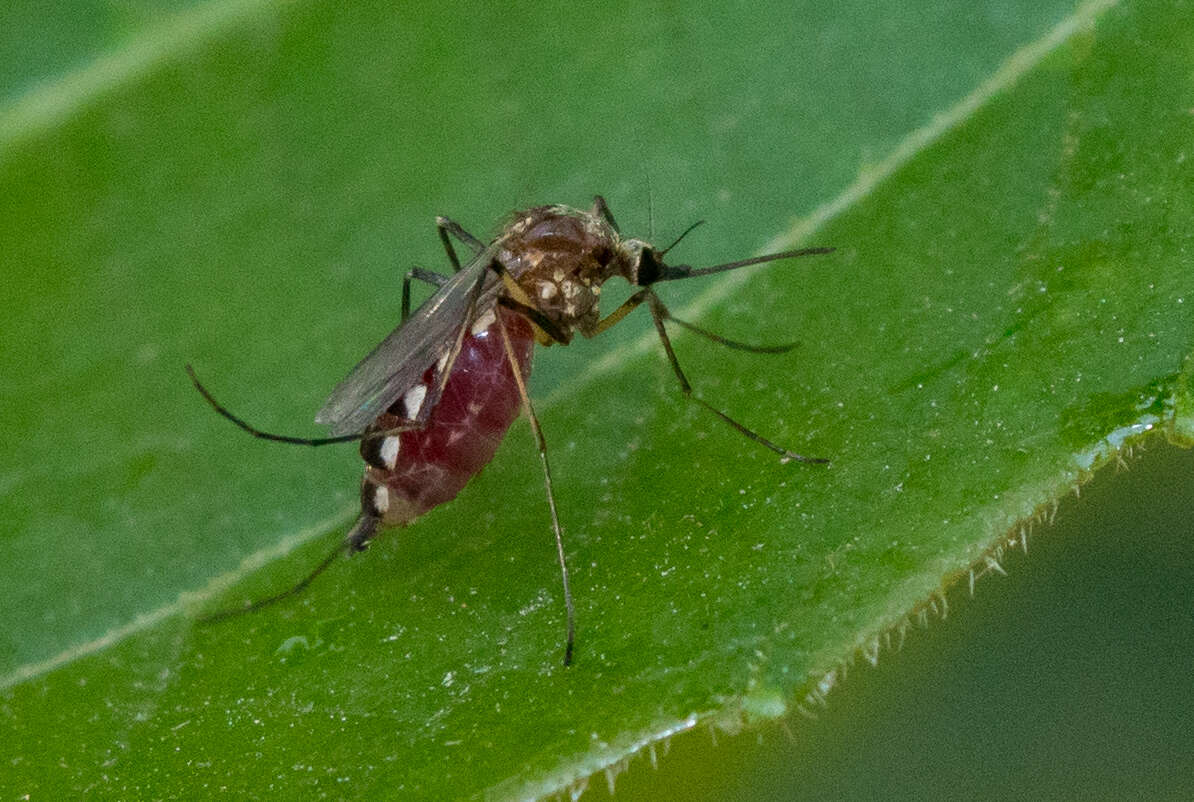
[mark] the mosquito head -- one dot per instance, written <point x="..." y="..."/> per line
<point x="647" y="260"/>
<point x="642" y="261"/>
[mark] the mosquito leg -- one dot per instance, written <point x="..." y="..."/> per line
<point x="628" y="306"/>
<point x="278" y="438"/>
<point x="601" y="208"/>
<point x="517" y="300"/>
<point x="717" y="338"/>
<point x="298" y="441"/>
<point x="356" y="540"/>
<point x="368" y="434"/>
<point x="541" y="320"/>
<point x="560" y="335"/>
<point x="434" y="279"/>
<point x="446" y="226"/>
<point x="233" y="612"/>
<point x="515" y="368"/>
<point x="515" y="291"/>
<point x="659" y="315"/>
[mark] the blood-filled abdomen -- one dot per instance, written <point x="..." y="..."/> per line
<point x="411" y="472"/>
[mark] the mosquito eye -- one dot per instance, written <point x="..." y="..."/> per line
<point x="649" y="267"/>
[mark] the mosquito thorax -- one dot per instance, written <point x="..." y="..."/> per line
<point x="561" y="256"/>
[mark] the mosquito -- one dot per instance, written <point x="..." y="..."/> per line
<point x="432" y="402"/>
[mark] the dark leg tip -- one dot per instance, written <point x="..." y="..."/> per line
<point x="362" y="533"/>
<point x="789" y="456"/>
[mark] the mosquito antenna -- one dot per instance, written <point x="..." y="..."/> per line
<point x="650" y="209"/>
<point x="233" y="612"/>
<point x="279" y="438"/>
<point x="676" y="241"/>
<point x="672" y="272"/>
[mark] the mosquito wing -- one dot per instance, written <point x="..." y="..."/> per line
<point x="400" y="359"/>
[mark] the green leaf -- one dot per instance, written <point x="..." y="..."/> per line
<point x="1019" y="693"/>
<point x="242" y="186"/>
